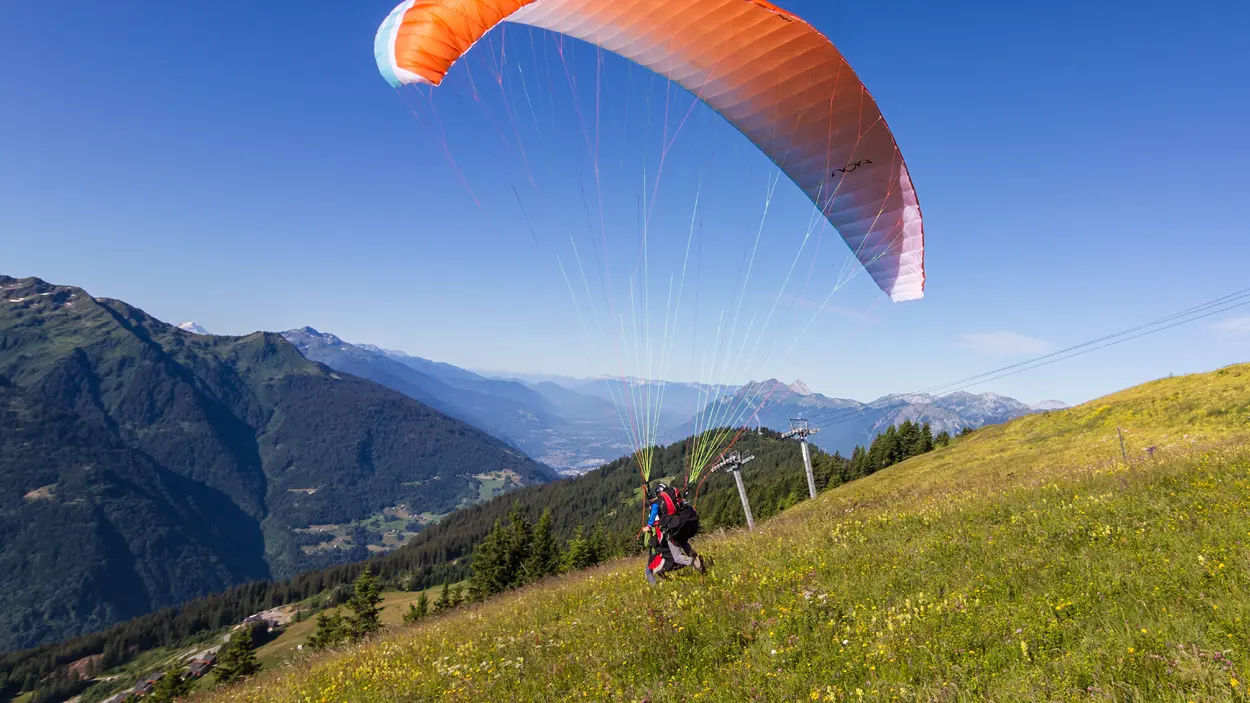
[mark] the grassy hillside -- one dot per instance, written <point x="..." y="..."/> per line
<point x="1024" y="562"/>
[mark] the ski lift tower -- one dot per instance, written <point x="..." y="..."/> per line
<point x="800" y="429"/>
<point x="733" y="463"/>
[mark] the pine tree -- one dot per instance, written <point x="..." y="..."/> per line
<point x="516" y="548"/>
<point x="332" y="629"/>
<point x="172" y="685"/>
<point x="942" y="439"/>
<point x="896" y="444"/>
<point x="365" y="619"/>
<point x="423" y="605"/>
<point x="444" y="599"/>
<point x="457" y="595"/>
<point x="902" y="442"/>
<point x="926" y="439"/>
<point x="878" y="454"/>
<point x="859" y="461"/>
<point x="578" y="555"/>
<point x="544" y="552"/>
<point x="598" y="545"/>
<point x="487" y="577"/>
<point x="914" y="440"/>
<point x="238" y="661"/>
<point x="822" y="470"/>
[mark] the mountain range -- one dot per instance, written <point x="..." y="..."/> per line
<point x="845" y="423"/>
<point x="562" y="427"/>
<point x="144" y="465"/>
<point x="573" y="424"/>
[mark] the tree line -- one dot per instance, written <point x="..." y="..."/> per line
<point x="518" y="553"/>
<point x="896" y="444"/>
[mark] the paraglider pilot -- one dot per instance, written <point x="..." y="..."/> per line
<point x="672" y="523"/>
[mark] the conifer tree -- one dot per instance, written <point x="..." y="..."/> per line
<point x="487" y="576"/>
<point x="444" y="599"/>
<point x="238" y="661"/>
<point x="902" y="443"/>
<point x="942" y="439"/>
<point x="544" y="556"/>
<point x="332" y="629"/>
<point x="516" y="549"/>
<point x="859" y="459"/>
<point x="879" y="451"/>
<point x="823" y="470"/>
<point x="418" y="610"/>
<point x="598" y="545"/>
<point x="365" y="619"/>
<point x="900" y="448"/>
<point x="172" y="686"/>
<point x="578" y="555"/>
<point x="926" y="439"/>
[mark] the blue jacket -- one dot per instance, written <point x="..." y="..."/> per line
<point x="654" y="517"/>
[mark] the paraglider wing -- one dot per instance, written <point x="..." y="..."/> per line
<point x="777" y="79"/>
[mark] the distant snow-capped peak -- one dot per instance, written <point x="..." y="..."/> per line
<point x="305" y="334"/>
<point x="799" y="388"/>
<point x="192" y="327"/>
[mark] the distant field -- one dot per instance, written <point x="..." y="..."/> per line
<point x="1026" y="562"/>
<point x="392" y="524"/>
<point x="491" y="487"/>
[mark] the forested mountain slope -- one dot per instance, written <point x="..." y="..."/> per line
<point x="144" y="465"/>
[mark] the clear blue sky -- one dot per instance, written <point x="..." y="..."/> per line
<point x="1082" y="167"/>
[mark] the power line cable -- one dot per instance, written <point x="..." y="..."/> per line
<point x="1222" y="304"/>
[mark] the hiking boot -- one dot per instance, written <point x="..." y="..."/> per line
<point x="651" y="577"/>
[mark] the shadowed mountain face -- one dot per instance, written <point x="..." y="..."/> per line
<point x="144" y="465"/>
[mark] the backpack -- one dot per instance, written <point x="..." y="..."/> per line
<point x="670" y="501"/>
<point x="677" y="517"/>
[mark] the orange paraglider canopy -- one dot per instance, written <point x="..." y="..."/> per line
<point x="773" y="76"/>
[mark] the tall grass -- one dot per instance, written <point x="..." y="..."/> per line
<point x="1025" y="562"/>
